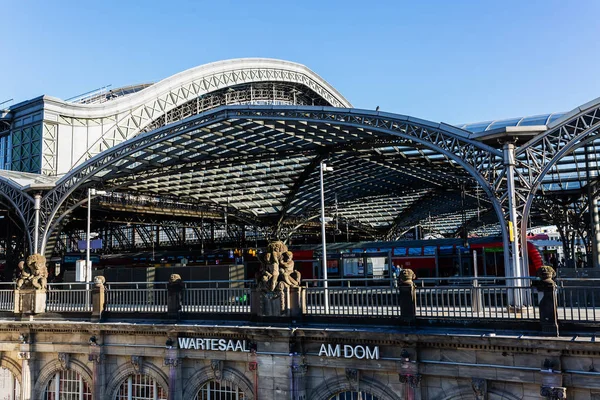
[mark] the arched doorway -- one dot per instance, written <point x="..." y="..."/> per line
<point x="67" y="384"/>
<point x="220" y="390"/>
<point x="140" y="387"/>
<point x="10" y="388"/>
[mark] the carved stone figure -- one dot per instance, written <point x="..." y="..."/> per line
<point x="546" y="274"/>
<point x="99" y="281"/>
<point x="277" y="269"/>
<point x="406" y="277"/>
<point x="34" y="274"/>
<point x="286" y="269"/>
<point x="24" y="274"/>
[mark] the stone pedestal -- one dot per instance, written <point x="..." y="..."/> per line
<point x="175" y="289"/>
<point x="408" y="306"/>
<point x="290" y="302"/>
<point x="548" y="308"/>
<point x="30" y="301"/>
<point x="97" y="302"/>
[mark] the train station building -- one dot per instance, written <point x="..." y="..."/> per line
<point x="232" y="155"/>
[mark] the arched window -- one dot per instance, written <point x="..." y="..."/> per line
<point x="214" y="390"/>
<point x="140" y="387"/>
<point x="10" y="389"/>
<point x="67" y="385"/>
<point x="353" y="396"/>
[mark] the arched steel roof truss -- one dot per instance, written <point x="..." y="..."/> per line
<point x="255" y="131"/>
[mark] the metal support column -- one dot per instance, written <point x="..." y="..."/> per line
<point x="595" y="231"/>
<point x="512" y="261"/>
<point x="37" y="202"/>
<point x="324" y="241"/>
<point x="594" y="238"/>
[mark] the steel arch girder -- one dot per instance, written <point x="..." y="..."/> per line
<point x="23" y="205"/>
<point x="135" y="119"/>
<point x="475" y="157"/>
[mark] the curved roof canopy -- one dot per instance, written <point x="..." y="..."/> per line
<point x="263" y="162"/>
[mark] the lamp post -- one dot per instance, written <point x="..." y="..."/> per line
<point x="323" y="168"/>
<point x="88" y="269"/>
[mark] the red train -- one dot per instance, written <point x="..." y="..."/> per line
<point x="428" y="258"/>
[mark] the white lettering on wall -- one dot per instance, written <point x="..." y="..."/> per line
<point x="360" y="352"/>
<point x="212" y="344"/>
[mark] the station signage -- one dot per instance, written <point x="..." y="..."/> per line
<point x="349" y="351"/>
<point x="213" y="344"/>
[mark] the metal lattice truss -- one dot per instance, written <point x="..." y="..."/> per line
<point x="263" y="164"/>
<point x="563" y="158"/>
<point x="196" y="90"/>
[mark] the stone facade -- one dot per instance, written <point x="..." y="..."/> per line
<point x="301" y="363"/>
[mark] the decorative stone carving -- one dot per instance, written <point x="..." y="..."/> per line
<point x="63" y="359"/>
<point x="278" y="291"/>
<point x="137" y="363"/>
<point x="479" y="387"/>
<point x="411" y="380"/>
<point x="217" y="369"/>
<point x="546" y="275"/>
<point x="553" y="393"/>
<point x="172" y="362"/>
<point x="406" y="277"/>
<point x="175" y="279"/>
<point x="300" y="369"/>
<point x="24" y="355"/>
<point x="277" y="269"/>
<point x="353" y="376"/>
<point x="33" y="274"/>
<point x="99" y="281"/>
<point x="96" y="357"/>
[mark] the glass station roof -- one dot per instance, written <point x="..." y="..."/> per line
<point x="533" y="120"/>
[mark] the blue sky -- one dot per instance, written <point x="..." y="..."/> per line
<point x="452" y="61"/>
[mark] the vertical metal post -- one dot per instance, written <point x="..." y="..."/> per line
<point x="476" y="295"/>
<point x="596" y="232"/>
<point x="87" y="238"/>
<point x="324" y="241"/>
<point x="512" y="262"/>
<point x="594" y="239"/>
<point x="37" y="201"/>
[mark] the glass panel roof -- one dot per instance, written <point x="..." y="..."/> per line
<point x="544" y="119"/>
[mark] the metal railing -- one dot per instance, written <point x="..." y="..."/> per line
<point x="68" y="297"/>
<point x="458" y="298"/>
<point x="356" y="301"/>
<point x="477" y="302"/>
<point x="217" y="301"/>
<point x="578" y="300"/>
<point x="136" y="297"/>
<point x="7" y="296"/>
<point x="218" y="296"/>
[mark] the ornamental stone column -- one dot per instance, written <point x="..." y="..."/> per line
<point x="173" y="361"/>
<point x="27" y="371"/>
<point x="97" y="358"/>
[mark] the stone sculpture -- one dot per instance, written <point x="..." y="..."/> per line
<point x="278" y="283"/>
<point x="34" y="273"/>
<point x="277" y="269"/>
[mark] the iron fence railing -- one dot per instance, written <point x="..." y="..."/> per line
<point x="216" y="300"/>
<point x="477" y="302"/>
<point x="578" y="303"/>
<point x="68" y="297"/>
<point x="136" y="297"/>
<point x="7" y="296"/>
<point x="355" y="301"/>
<point x="578" y="300"/>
